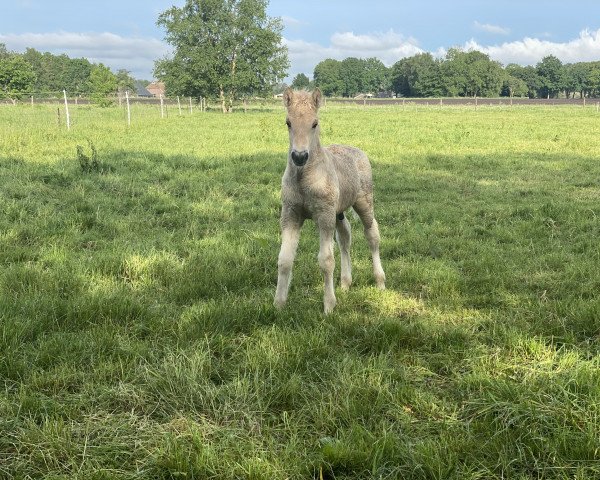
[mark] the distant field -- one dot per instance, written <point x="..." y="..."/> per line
<point x="138" y="337"/>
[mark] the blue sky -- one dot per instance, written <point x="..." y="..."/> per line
<point x="123" y="34"/>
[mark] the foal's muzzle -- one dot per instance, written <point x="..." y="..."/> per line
<point x="299" y="158"/>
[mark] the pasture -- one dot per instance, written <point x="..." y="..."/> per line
<point x="138" y="337"/>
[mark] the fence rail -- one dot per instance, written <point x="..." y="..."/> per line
<point x="467" y="101"/>
<point x="73" y="112"/>
<point x="185" y="101"/>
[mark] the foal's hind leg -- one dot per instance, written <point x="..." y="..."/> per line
<point x="344" y="239"/>
<point x="364" y="208"/>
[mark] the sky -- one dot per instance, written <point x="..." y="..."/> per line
<point x="124" y="34"/>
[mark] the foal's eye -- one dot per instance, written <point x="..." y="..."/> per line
<point x="316" y="122"/>
<point x="288" y="123"/>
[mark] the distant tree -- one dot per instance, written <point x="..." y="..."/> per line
<point x="231" y="48"/>
<point x="472" y="74"/>
<point x="417" y="76"/>
<point x="576" y="78"/>
<point x="3" y="51"/>
<point x="593" y="81"/>
<point x="77" y="74"/>
<point x="400" y="78"/>
<point x="376" y="76"/>
<point x="454" y="73"/>
<point x="17" y="77"/>
<point x="513" y="87"/>
<point x="125" y="82"/>
<point x="328" y="77"/>
<point x="552" y="76"/>
<point x="35" y="59"/>
<point x="103" y="84"/>
<point x="352" y="75"/>
<point x="300" y="82"/>
<point x="528" y="74"/>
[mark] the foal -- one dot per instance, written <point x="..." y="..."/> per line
<point x="321" y="183"/>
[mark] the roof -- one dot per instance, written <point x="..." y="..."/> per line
<point x="156" y="88"/>
<point x="142" y="91"/>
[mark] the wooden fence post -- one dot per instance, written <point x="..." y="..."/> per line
<point x="162" y="111"/>
<point x="179" y="105"/>
<point x="128" y="110"/>
<point x="67" y="110"/>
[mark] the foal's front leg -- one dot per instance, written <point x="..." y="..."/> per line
<point x="326" y="260"/>
<point x="290" y="235"/>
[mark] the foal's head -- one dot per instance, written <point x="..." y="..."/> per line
<point x="302" y="123"/>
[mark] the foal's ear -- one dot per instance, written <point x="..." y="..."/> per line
<point x="317" y="97"/>
<point x="287" y="97"/>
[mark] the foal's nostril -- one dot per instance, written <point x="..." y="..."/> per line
<point x="299" y="158"/>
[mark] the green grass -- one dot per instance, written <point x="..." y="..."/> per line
<point x="138" y="337"/>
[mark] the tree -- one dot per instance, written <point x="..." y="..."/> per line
<point x="300" y="82"/>
<point x="3" y="51"/>
<point x="417" y="76"/>
<point x="351" y="73"/>
<point x="528" y="75"/>
<point x="76" y="75"/>
<point x="17" y="77"/>
<point x="552" y="76"/>
<point x="472" y="74"/>
<point x="328" y="77"/>
<point x="125" y="82"/>
<point x="102" y="84"/>
<point x="513" y="87"/>
<point x="376" y="76"/>
<point x="226" y="47"/>
<point x="593" y="81"/>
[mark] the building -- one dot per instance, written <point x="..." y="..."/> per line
<point x="141" y="91"/>
<point x="156" y="89"/>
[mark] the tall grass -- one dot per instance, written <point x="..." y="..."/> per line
<point x="138" y="337"/>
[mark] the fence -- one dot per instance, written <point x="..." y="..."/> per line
<point x="69" y="111"/>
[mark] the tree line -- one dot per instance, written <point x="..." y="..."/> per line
<point x="459" y="74"/>
<point x="47" y="75"/>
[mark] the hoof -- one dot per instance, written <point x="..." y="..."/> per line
<point x="329" y="306"/>
<point x="380" y="281"/>
<point x="345" y="283"/>
<point x="279" y="304"/>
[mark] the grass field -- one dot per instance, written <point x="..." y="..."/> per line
<point x="138" y="337"/>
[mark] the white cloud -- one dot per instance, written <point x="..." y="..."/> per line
<point x="135" y="54"/>
<point x="488" y="28"/>
<point x="389" y="47"/>
<point x="584" y="48"/>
